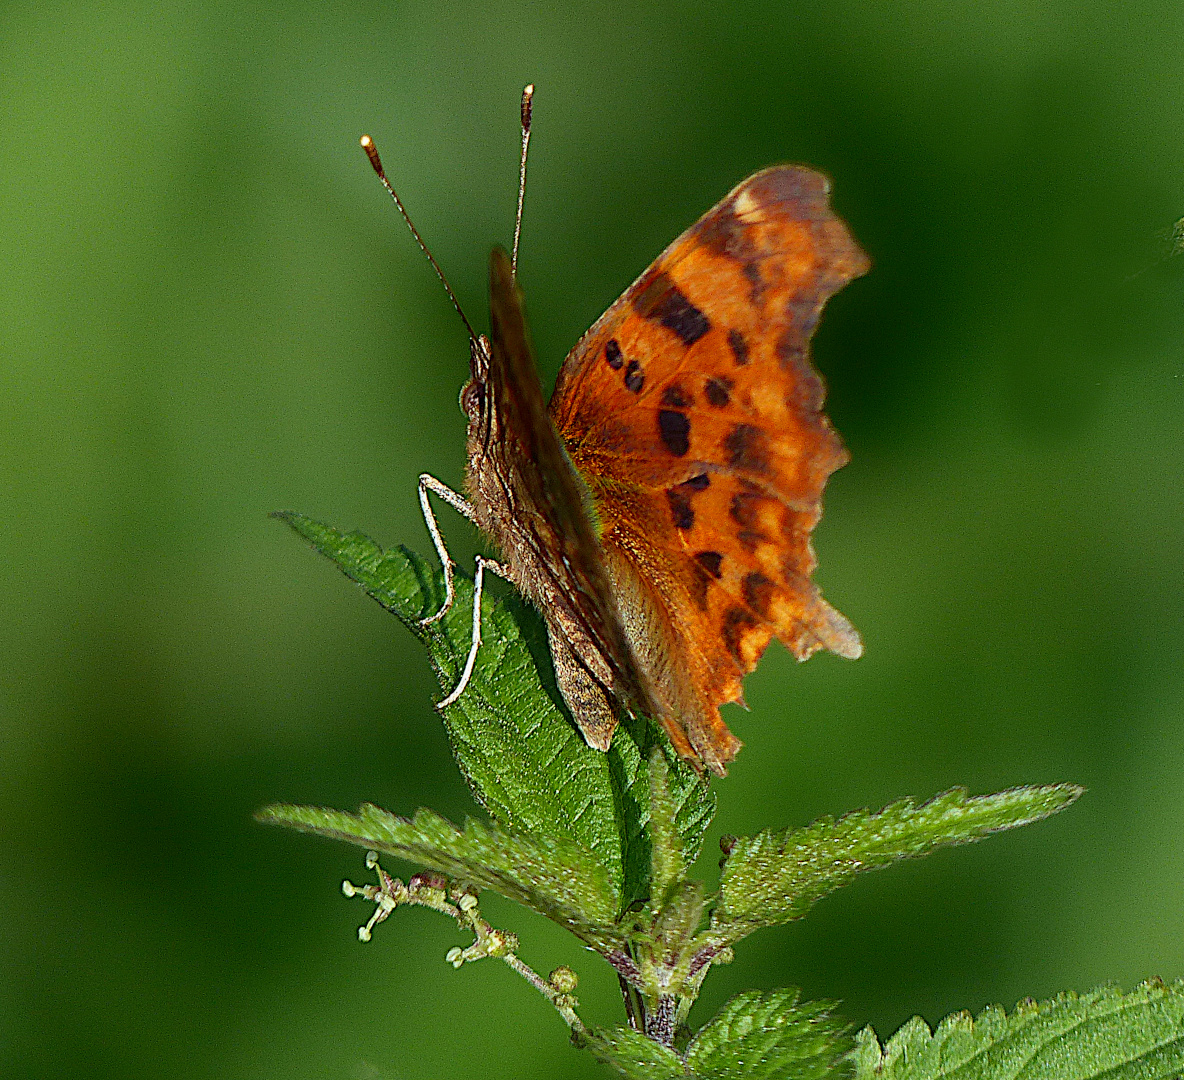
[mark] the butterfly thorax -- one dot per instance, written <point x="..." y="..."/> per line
<point x="517" y="514"/>
<point x="492" y="483"/>
<point x="508" y="510"/>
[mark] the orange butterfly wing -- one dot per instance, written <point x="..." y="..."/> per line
<point x="692" y="410"/>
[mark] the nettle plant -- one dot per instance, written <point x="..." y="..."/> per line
<point x="602" y="843"/>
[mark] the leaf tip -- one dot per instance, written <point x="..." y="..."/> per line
<point x="299" y="523"/>
<point x="271" y="814"/>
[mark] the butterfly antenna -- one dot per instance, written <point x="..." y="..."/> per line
<point x="376" y="162"/>
<point x="527" y="100"/>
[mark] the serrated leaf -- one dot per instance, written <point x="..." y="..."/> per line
<point x="1136" y="1036"/>
<point x="522" y="756"/>
<point x="755" y="1036"/>
<point x="633" y="1055"/>
<point x="768" y="1036"/>
<point x="777" y="875"/>
<point x="554" y="877"/>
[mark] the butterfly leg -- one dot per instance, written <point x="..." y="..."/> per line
<point x="483" y="564"/>
<point x="427" y="483"/>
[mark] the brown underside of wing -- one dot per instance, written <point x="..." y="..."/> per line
<point x="693" y="411"/>
<point x="532" y="503"/>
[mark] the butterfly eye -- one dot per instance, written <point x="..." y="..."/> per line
<point x="472" y="399"/>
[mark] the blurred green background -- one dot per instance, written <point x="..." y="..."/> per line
<point x="211" y="310"/>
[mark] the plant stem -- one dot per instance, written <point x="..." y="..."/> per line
<point x="659" y="1025"/>
<point x="390" y="893"/>
<point x="562" y="1002"/>
<point x="632" y="1003"/>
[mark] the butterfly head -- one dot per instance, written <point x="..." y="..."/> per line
<point x="475" y="400"/>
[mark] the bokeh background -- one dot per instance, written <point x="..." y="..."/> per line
<point x="209" y="310"/>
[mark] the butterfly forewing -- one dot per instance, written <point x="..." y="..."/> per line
<point x="693" y="411"/>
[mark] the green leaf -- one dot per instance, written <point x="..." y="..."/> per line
<point x="668" y="867"/>
<point x="755" y="1036"/>
<point x="776" y="876"/>
<point x="523" y="759"/>
<point x="768" y="1036"/>
<point x="677" y="921"/>
<point x="399" y="580"/>
<point x="522" y="756"/>
<point x="633" y="1055"/>
<point x="556" y="878"/>
<point x="693" y="800"/>
<point x="1136" y="1036"/>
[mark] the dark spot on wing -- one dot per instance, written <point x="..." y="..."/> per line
<point x="698" y="585"/>
<point x="675" y="430"/>
<point x="717" y="391"/>
<point x="745" y="504"/>
<point x="752" y="272"/>
<point x="725" y="233"/>
<point x="676" y="397"/>
<point x="739" y="346"/>
<point x="711" y="561"/>
<point x="758" y="591"/>
<point x="634" y="378"/>
<point x="737" y="622"/>
<point x="679" y="498"/>
<point x="681" y="510"/>
<point x="747" y="448"/>
<point x="749" y="538"/>
<point x="677" y="313"/>
<point x="612" y="353"/>
<point x="664" y="302"/>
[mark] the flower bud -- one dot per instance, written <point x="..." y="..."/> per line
<point x="428" y="879"/>
<point x="563" y="979"/>
<point x="500" y="942"/>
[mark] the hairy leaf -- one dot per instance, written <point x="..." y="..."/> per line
<point x="668" y="866"/>
<point x="755" y="1036"/>
<point x="1135" y="1036"/>
<point x="635" y="1056"/>
<point x="522" y="756"/>
<point x="777" y="875"/>
<point x="557" y="878"/>
<point x="693" y="800"/>
<point x="768" y="1036"/>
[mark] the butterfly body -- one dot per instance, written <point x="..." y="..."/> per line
<point x="658" y="512"/>
<point x="527" y="497"/>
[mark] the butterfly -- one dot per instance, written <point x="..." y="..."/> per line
<point x="658" y="510"/>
